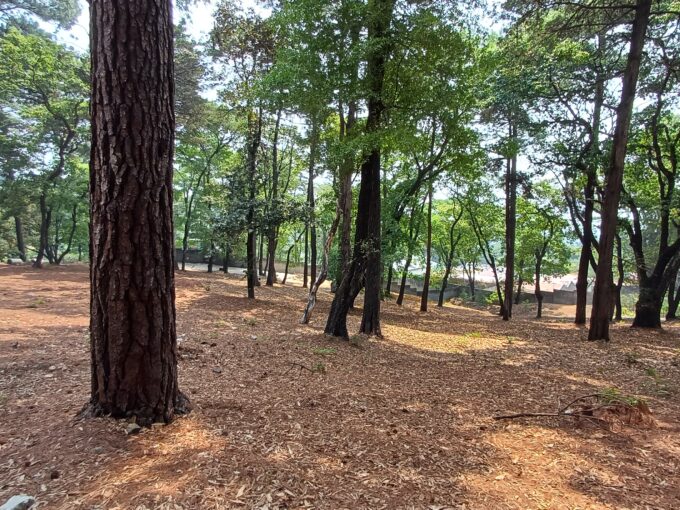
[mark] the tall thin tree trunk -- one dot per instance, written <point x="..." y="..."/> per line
<point x="599" y="320"/>
<point x="618" y="312"/>
<point x="510" y="226"/>
<point x="586" y="259"/>
<point x="310" y="198"/>
<point x="19" y="230"/>
<point x="413" y="231"/>
<point x="225" y="262"/>
<point x="305" y="268"/>
<point x="537" y="287"/>
<point x="273" y="230"/>
<point x="520" y="282"/>
<point x="428" y="255"/>
<point x="45" y="218"/>
<point x="132" y="321"/>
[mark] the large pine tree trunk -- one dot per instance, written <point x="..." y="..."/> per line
<point x="648" y="307"/>
<point x="365" y="264"/>
<point x="599" y="320"/>
<point x="132" y="323"/>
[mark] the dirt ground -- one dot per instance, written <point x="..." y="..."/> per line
<point x="403" y="422"/>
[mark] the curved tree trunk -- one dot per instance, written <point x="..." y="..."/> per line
<point x="132" y="322"/>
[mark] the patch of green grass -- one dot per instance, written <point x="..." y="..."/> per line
<point x="325" y="351"/>
<point x="358" y="341"/>
<point x="659" y="385"/>
<point x="473" y="334"/>
<point x="632" y="358"/>
<point x="612" y="395"/>
<point x="36" y="303"/>
<point x="319" y="368"/>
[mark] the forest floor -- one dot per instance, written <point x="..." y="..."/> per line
<point x="402" y="422"/>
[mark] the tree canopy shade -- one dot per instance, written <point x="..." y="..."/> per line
<point x="132" y="323"/>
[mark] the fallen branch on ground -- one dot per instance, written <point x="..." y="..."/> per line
<point x="603" y="408"/>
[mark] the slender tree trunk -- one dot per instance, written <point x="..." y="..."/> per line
<point x="69" y="243"/>
<point x="260" y="255"/>
<point x="388" y="282"/>
<point x="586" y="254"/>
<point x="185" y="235"/>
<point x="537" y="288"/>
<point x="305" y="268"/>
<point x="132" y="322"/>
<point x="520" y="282"/>
<point x="346" y="225"/>
<point x="273" y="230"/>
<point x="255" y="136"/>
<point x="290" y="249"/>
<point x="225" y="262"/>
<point x="510" y="227"/>
<point x="673" y="294"/>
<point x="618" y="312"/>
<point x="211" y="257"/>
<point x="413" y="231"/>
<point x="310" y="199"/>
<point x="45" y="219"/>
<point x="428" y="255"/>
<point x="445" y="281"/>
<point x="586" y="259"/>
<point x="599" y="320"/>
<point x="311" y="300"/>
<point x="21" y="245"/>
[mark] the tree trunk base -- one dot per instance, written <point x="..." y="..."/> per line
<point x="181" y="406"/>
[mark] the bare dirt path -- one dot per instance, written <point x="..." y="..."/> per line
<point x="404" y="422"/>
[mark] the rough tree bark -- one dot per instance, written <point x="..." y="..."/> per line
<point x="365" y="262"/>
<point x="599" y="320"/>
<point x="132" y="322"/>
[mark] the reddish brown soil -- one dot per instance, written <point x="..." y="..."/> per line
<point x="405" y="422"/>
